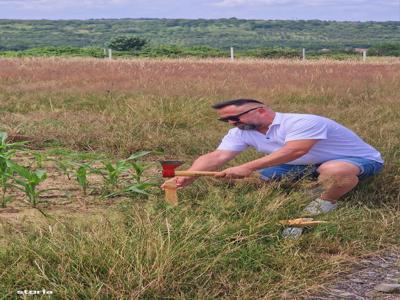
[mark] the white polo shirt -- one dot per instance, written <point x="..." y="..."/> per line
<point x="335" y="140"/>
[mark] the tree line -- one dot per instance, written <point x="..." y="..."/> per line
<point x="220" y="34"/>
<point x="134" y="46"/>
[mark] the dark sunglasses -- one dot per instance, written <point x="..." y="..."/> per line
<point x="236" y="118"/>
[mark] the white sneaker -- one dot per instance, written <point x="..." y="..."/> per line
<point x="292" y="232"/>
<point x="318" y="206"/>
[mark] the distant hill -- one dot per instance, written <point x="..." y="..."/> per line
<point x="219" y="33"/>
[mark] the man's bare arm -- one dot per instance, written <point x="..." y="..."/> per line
<point x="207" y="162"/>
<point x="212" y="160"/>
<point x="291" y="151"/>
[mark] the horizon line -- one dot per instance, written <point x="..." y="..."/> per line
<point x="194" y="19"/>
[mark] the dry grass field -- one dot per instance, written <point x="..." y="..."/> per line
<point x="222" y="241"/>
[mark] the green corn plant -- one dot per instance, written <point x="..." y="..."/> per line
<point x="81" y="174"/>
<point x="28" y="181"/>
<point x="5" y="176"/>
<point x="6" y="147"/>
<point x="7" y="150"/>
<point x="64" y="167"/>
<point x="39" y="159"/>
<point x="113" y="172"/>
<point x="137" y="166"/>
<point x="139" y="169"/>
<point x="137" y="184"/>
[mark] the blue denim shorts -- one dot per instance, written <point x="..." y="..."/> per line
<point x="367" y="168"/>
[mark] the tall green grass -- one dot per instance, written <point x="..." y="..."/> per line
<point x="219" y="243"/>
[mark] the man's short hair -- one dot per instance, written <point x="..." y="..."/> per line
<point x="235" y="102"/>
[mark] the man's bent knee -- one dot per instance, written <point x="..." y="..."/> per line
<point x="338" y="173"/>
<point x="338" y="168"/>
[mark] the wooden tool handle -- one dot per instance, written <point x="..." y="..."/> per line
<point x="195" y="173"/>
<point x="207" y="173"/>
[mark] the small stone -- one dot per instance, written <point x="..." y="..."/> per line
<point x="388" y="288"/>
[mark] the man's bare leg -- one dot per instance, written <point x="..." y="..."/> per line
<point x="337" y="178"/>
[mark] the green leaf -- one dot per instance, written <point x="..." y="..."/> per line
<point x="41" y="175"/>
<point x="81" y="172"/>
<point x="94" y="170"/>
<point x="109" y="167"/>
<point x="20" y="170"/>
<point x="3" y="137"/>
<point x="21" y="182"/>
<point x="146" y="185"/>
<point x="134" y="189"/>
<point x="138" y="168"/>
<point x="138" y="155"/>
<point x="122" y="165"/>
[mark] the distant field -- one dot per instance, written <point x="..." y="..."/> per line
<point x="222" y="241"/>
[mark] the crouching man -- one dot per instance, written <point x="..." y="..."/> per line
<point x="294" y="144"/>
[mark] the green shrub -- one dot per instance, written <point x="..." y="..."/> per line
<point x="385" y="49"/>
<point x="56" y="51"/>
<point x="127" y="43"/>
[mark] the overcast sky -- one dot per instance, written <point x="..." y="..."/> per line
<point x="352" y="10"/>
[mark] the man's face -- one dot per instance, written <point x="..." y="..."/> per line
<point x="244" y="117"/>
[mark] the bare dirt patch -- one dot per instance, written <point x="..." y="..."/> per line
<point x="361" y="282"/>
<point x="59" y="193"/>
